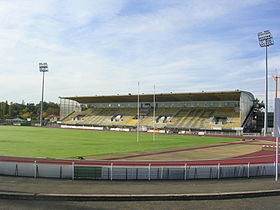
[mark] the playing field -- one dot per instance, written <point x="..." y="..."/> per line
<point x="65" y="143"/>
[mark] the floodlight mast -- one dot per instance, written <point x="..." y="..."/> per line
<point x="43" y="67"/>
<point x="265" y="40"/>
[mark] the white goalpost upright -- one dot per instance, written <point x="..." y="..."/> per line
<point x="138" y="114"/>
<point x="154" y="113"/>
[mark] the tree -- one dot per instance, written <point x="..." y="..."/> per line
<point x="26" y="115"/>
<point x="53" y="108"/>
<point x="6" y="108"/>
<point x="29" y="110"/>
<point x="259" y="105"/>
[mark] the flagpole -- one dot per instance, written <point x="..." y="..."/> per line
<point x="154" y="113"/>
<point x="138" y="114"/>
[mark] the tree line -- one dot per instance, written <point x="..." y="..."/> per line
<point x="29" y="110"/>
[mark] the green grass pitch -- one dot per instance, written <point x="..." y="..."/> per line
<point x="65" y="143"/>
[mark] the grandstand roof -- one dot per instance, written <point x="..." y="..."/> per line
<point x="163" y="97"/>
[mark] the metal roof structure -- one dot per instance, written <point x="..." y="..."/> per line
<point x="163" y="97"/>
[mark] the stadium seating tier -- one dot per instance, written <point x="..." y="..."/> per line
<point x="181" y="118"/>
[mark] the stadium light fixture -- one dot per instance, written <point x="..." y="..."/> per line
<point x="43" y="67"/>
<point x="265" y="40"/>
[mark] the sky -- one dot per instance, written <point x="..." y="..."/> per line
<point x="104" y="47"/>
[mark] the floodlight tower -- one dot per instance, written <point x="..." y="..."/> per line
<point x="43" y="67"/>
<point x="265" y="40"/>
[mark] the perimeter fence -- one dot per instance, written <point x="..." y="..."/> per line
<point x="151" y="171"/>
<point x="172" y="173"/>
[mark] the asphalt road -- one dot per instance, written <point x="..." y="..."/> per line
<point x="20" y="184"/>
<point x="23" y="184"/>
<point x="264" y="203"/>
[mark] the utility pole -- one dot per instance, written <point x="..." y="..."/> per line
<point x="276" y="77"/>
<point x="276" y="124"/>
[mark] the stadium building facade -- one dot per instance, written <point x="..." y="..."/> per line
<point x="211" y="112"/>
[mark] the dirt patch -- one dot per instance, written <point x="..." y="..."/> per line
<point x="212" y="153"/>
<point x="205" y="152"/>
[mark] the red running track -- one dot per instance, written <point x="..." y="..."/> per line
<point x="262" y="157"/>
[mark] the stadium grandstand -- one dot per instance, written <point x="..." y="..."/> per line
<point x="211" y="112"/>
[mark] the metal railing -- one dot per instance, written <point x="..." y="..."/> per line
<point x="147" y="172"/>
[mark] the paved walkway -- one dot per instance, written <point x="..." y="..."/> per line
<point x="41" y="186"/>
<point x="31" y="185"/>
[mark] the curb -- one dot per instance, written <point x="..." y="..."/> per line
<point x="136" y="197"/>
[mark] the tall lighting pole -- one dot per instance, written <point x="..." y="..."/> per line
<point x="43" y="67"/>
<point x="265" y="40"/>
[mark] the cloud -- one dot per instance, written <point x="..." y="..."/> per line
<point x="107" y="46"/>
